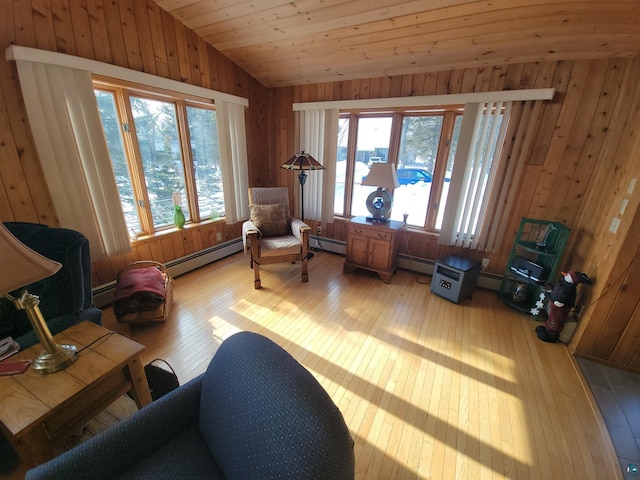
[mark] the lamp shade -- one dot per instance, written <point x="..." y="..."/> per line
<point x="302" y="161"/>
<point x="382" y="175"/>
<point x="20" y="265"/>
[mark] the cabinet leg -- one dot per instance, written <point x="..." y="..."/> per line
<point x="386" y="277"/>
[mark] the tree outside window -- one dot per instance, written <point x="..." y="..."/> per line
<point x="203" y="133"/>
<point x="159" y="143"/>
<point x="115" y="145"/>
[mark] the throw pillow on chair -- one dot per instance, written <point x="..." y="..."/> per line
<point x="271" y="219"/>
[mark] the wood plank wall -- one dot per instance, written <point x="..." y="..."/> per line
<point x="135" y="34"/>
<point x="585" y="140"/>
<point x="548" y="188"/>
<point x="582" y="160"/>
<point x="611" y="330"/>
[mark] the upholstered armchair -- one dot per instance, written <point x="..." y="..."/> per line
<point x="256" y="413"/>
<point x="272" y="235"/>
<point x="66" y="298"/>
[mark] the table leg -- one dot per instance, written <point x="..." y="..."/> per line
<point x="140" y="387"/>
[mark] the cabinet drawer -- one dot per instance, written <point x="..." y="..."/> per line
<point x="369" y="232"/>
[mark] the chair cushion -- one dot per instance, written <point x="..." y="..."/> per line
<point x="277" y="246"/>
<point x="270" y="219"/>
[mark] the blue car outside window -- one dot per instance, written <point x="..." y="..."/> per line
<point x="407" y="176"/>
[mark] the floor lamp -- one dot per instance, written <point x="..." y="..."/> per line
<point x="22" y="266"/>
<point x="302" y="161"/>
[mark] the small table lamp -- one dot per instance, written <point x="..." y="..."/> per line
<point x="383" y="176"/>
<point x="22" y="266"/>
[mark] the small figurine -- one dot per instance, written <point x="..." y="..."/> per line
<point x="562" y="297"/>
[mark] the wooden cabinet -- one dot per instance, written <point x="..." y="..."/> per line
<point x="373" y="246"/>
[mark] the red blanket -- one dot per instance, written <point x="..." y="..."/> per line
<point x="138" y="290"/>
<point x="140" y="280"/>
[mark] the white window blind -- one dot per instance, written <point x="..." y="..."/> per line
<point x="68" y="135"/>
<point x="233" y="160"/>
<point x="486" y="174"/>
<point x="319" y="137"/>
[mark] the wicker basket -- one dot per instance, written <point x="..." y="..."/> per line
<point x="159" y="314"/>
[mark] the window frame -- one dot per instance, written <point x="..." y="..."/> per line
<point x="449" y="114"/>
<point x="122" y="91"/>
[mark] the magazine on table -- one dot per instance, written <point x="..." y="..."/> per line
<point x="8" y="346"/>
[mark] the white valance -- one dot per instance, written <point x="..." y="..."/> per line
<point x="15" y="52"/>
<point x="431" y="100"/>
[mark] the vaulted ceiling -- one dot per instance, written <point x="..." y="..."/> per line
<point x="309" y="41"/>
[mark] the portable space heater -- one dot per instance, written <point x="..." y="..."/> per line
<point x="454" y="278"/>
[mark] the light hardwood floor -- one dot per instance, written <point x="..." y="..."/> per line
<point x="429" y="389"/>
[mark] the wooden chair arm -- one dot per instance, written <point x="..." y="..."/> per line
<point x="300" y="230"/>
<point x="253" y="236"/>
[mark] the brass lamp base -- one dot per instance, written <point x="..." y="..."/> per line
<point x="49" y="362"/>
<point x="53" y="357"/>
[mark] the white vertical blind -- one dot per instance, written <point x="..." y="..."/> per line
<point x="507" y="184"/>
<point x="492" y="167"/>
<point x="319" y="137"/>
<point x="332" y="117"/>
<point x="66" y="127"/>
<point x="477" y="166"/>
<point x="233" y="160"/>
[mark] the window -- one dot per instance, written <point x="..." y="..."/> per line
<point x="341" y="166"/>
<point x="115" y="145"/>
<point x="472" y="146"/>
<point x="421" y="144"/>
<point x="164" y="151"/>
<point x="203" y="133"/>
<point x="372" y="145"/>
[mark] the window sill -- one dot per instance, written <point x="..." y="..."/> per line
<point x="419" y="231"/>
<point x="173" y="230"/>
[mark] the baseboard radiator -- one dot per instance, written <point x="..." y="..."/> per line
<point x="103" y="294"/>
<point x="488" y="281"/>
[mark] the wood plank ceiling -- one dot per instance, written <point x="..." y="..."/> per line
<point x="282" y="42"/>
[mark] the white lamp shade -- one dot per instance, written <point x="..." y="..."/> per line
<point x="21" y="266"/>
<point x="382" y="175"/>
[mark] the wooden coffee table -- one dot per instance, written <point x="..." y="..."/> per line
<point x="37" y="411"/>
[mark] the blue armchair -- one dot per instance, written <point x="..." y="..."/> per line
<point x="66" y="298"/>
<point x="256" y="413"/>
